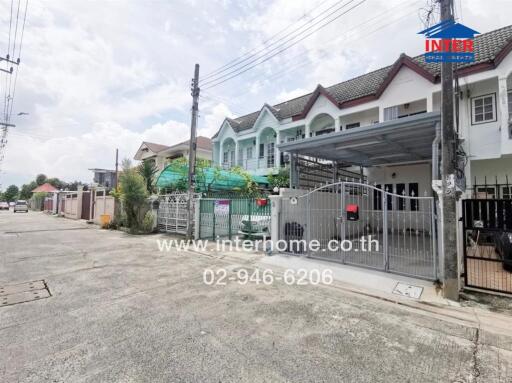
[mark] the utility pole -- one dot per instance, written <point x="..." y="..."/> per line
<point x="117" y="168"/>
<point x="448" y="158"/>
<point x="192" y="150"/>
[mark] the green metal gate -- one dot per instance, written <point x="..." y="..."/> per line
<point x="228" y="217"/>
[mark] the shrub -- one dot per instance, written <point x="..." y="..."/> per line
<point x="148" y="222"/>
<point x="133" y="196"/>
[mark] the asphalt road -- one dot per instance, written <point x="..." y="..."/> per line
<point x="121" y="311"/>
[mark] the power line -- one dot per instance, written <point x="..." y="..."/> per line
<point x="284" y="43"/>
<point x="19" y="55"/>
<point x="220" y="81"/>
<point x="296" y="65"/>
<point x="264" y="45"/>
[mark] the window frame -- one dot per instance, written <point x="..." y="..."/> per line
<point x="494" y="110"/>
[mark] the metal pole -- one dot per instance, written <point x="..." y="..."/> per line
<point x="192" y="150"/>
<point x="448" y="157"/>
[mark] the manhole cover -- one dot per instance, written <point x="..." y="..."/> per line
<point x="23" y="292"/>
<point x="408" y="291"/>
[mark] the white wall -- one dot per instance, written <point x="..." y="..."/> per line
<point x="420" y="173"/>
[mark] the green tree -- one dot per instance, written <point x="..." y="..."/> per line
<point x="280" y="180"/>
<point x="41" y="179"/>
<point x="147" y="169"/>
<point x="133" y="195"/>
<point x="26" y="190"/>
<point x="11" y="193"/>
<point x="57" y="183"/>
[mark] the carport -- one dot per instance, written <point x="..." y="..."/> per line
<point x="403" y="222"/>
<point x="404" y="140"/>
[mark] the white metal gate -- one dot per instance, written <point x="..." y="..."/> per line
<point x="172" y="214"/>
<point x="362" y="225"/>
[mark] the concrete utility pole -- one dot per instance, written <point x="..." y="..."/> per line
<point x="448" y="158"/>
<point x="117" y="168"/>
<point x="192" y="150"/>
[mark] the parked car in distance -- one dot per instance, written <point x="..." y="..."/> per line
<point x="503" y="243"/>
<point x="21" y="205"/>
<point x="11" y="204"/>
<point x="257" y="226"/>
<point x="4" y="205"/>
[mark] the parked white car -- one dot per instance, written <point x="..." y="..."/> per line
<point x="256" y="226"/>
<point x="4" y="205"/>
<point x="21" y="205"/>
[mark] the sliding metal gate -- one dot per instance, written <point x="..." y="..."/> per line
<point x="362" y="225"/>
<point x="173" y="212"/>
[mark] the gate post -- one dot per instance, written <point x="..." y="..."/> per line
<point x="385" y="229"/>
<point x="229" y="219"/>
<point x="197" y="218"/>
<point x="308" y="224"/>
<point x="342" y="216"/>
<point x="434" y="231"/>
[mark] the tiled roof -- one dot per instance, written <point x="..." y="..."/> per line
<point x="45" y="188"/>
<point x="155" y="148"/>
<point x="487" y="47"/>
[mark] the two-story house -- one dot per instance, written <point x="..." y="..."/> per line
<point x="385" y="122"/>
<point x="162" y="155"/>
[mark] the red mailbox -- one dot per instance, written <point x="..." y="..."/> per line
<point x="352" y="212"/>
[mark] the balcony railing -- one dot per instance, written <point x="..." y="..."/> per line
<point x="266" y="162"/>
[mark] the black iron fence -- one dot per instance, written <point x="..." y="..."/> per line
<point x="487" y="241"/>
<point x="491" y="188"/>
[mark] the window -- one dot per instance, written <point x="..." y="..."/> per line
<point x="506" y="192"/>
<point x="353" y="125"/>
<point x="225" y="157"/>
<point x="400" y="190"/>
<point x="413" y="192"/>
<point x="262" y="151"/>
<point x="488" y="192"/>
<point x="377" y="198"/>
<point x="249" y="152"/>
<point x="232" y="158"/>
<point x="510" y="113"/>
<point x="389" y="197"/>
<point x="483" y="109"/>
<point x="391" y="113"/>
<point x="270" y="154"/>
<point x="240" y="157"/>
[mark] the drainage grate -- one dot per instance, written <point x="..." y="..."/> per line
<point x="23" y="292"/>
<point x="409" y="291"/>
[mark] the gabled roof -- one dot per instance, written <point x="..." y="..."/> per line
<point x="155" y="148"/>
<point x="45" y="188"/>
<point x="202" y="142"/>
<point x="489" y="48"/>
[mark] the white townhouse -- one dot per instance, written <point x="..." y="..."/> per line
<point x="385" y="123"/>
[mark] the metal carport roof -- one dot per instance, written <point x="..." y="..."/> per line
<point x="407" y="139"/>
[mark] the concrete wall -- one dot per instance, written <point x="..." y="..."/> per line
<point x="420" y="173"/>
<point x="103" y="205"/>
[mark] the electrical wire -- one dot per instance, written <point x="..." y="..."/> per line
<point x="343" y="37"/>
<point x="264" y="45"/>
<point x="282" y="45"/>
<point x="220" y="81"/>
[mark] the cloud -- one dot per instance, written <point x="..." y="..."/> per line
<point x="98" y="75"/>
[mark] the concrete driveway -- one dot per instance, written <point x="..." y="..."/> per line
<point x="121" y="311"/>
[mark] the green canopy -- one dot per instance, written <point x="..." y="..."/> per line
<point x="207" y="179"/>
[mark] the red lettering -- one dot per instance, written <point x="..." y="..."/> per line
<point x="468" y="45"/>
<point x="456" y="45"/>
<point x="436" y="45"/>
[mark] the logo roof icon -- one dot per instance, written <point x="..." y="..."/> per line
<point x="449" y="30"/>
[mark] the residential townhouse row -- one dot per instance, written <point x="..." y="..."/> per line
<point x="324" y="123"/>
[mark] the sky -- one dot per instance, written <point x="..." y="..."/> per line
<point x="99" y="75"/>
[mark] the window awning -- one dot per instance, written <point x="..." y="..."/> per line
<point x="407" y="139"/>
